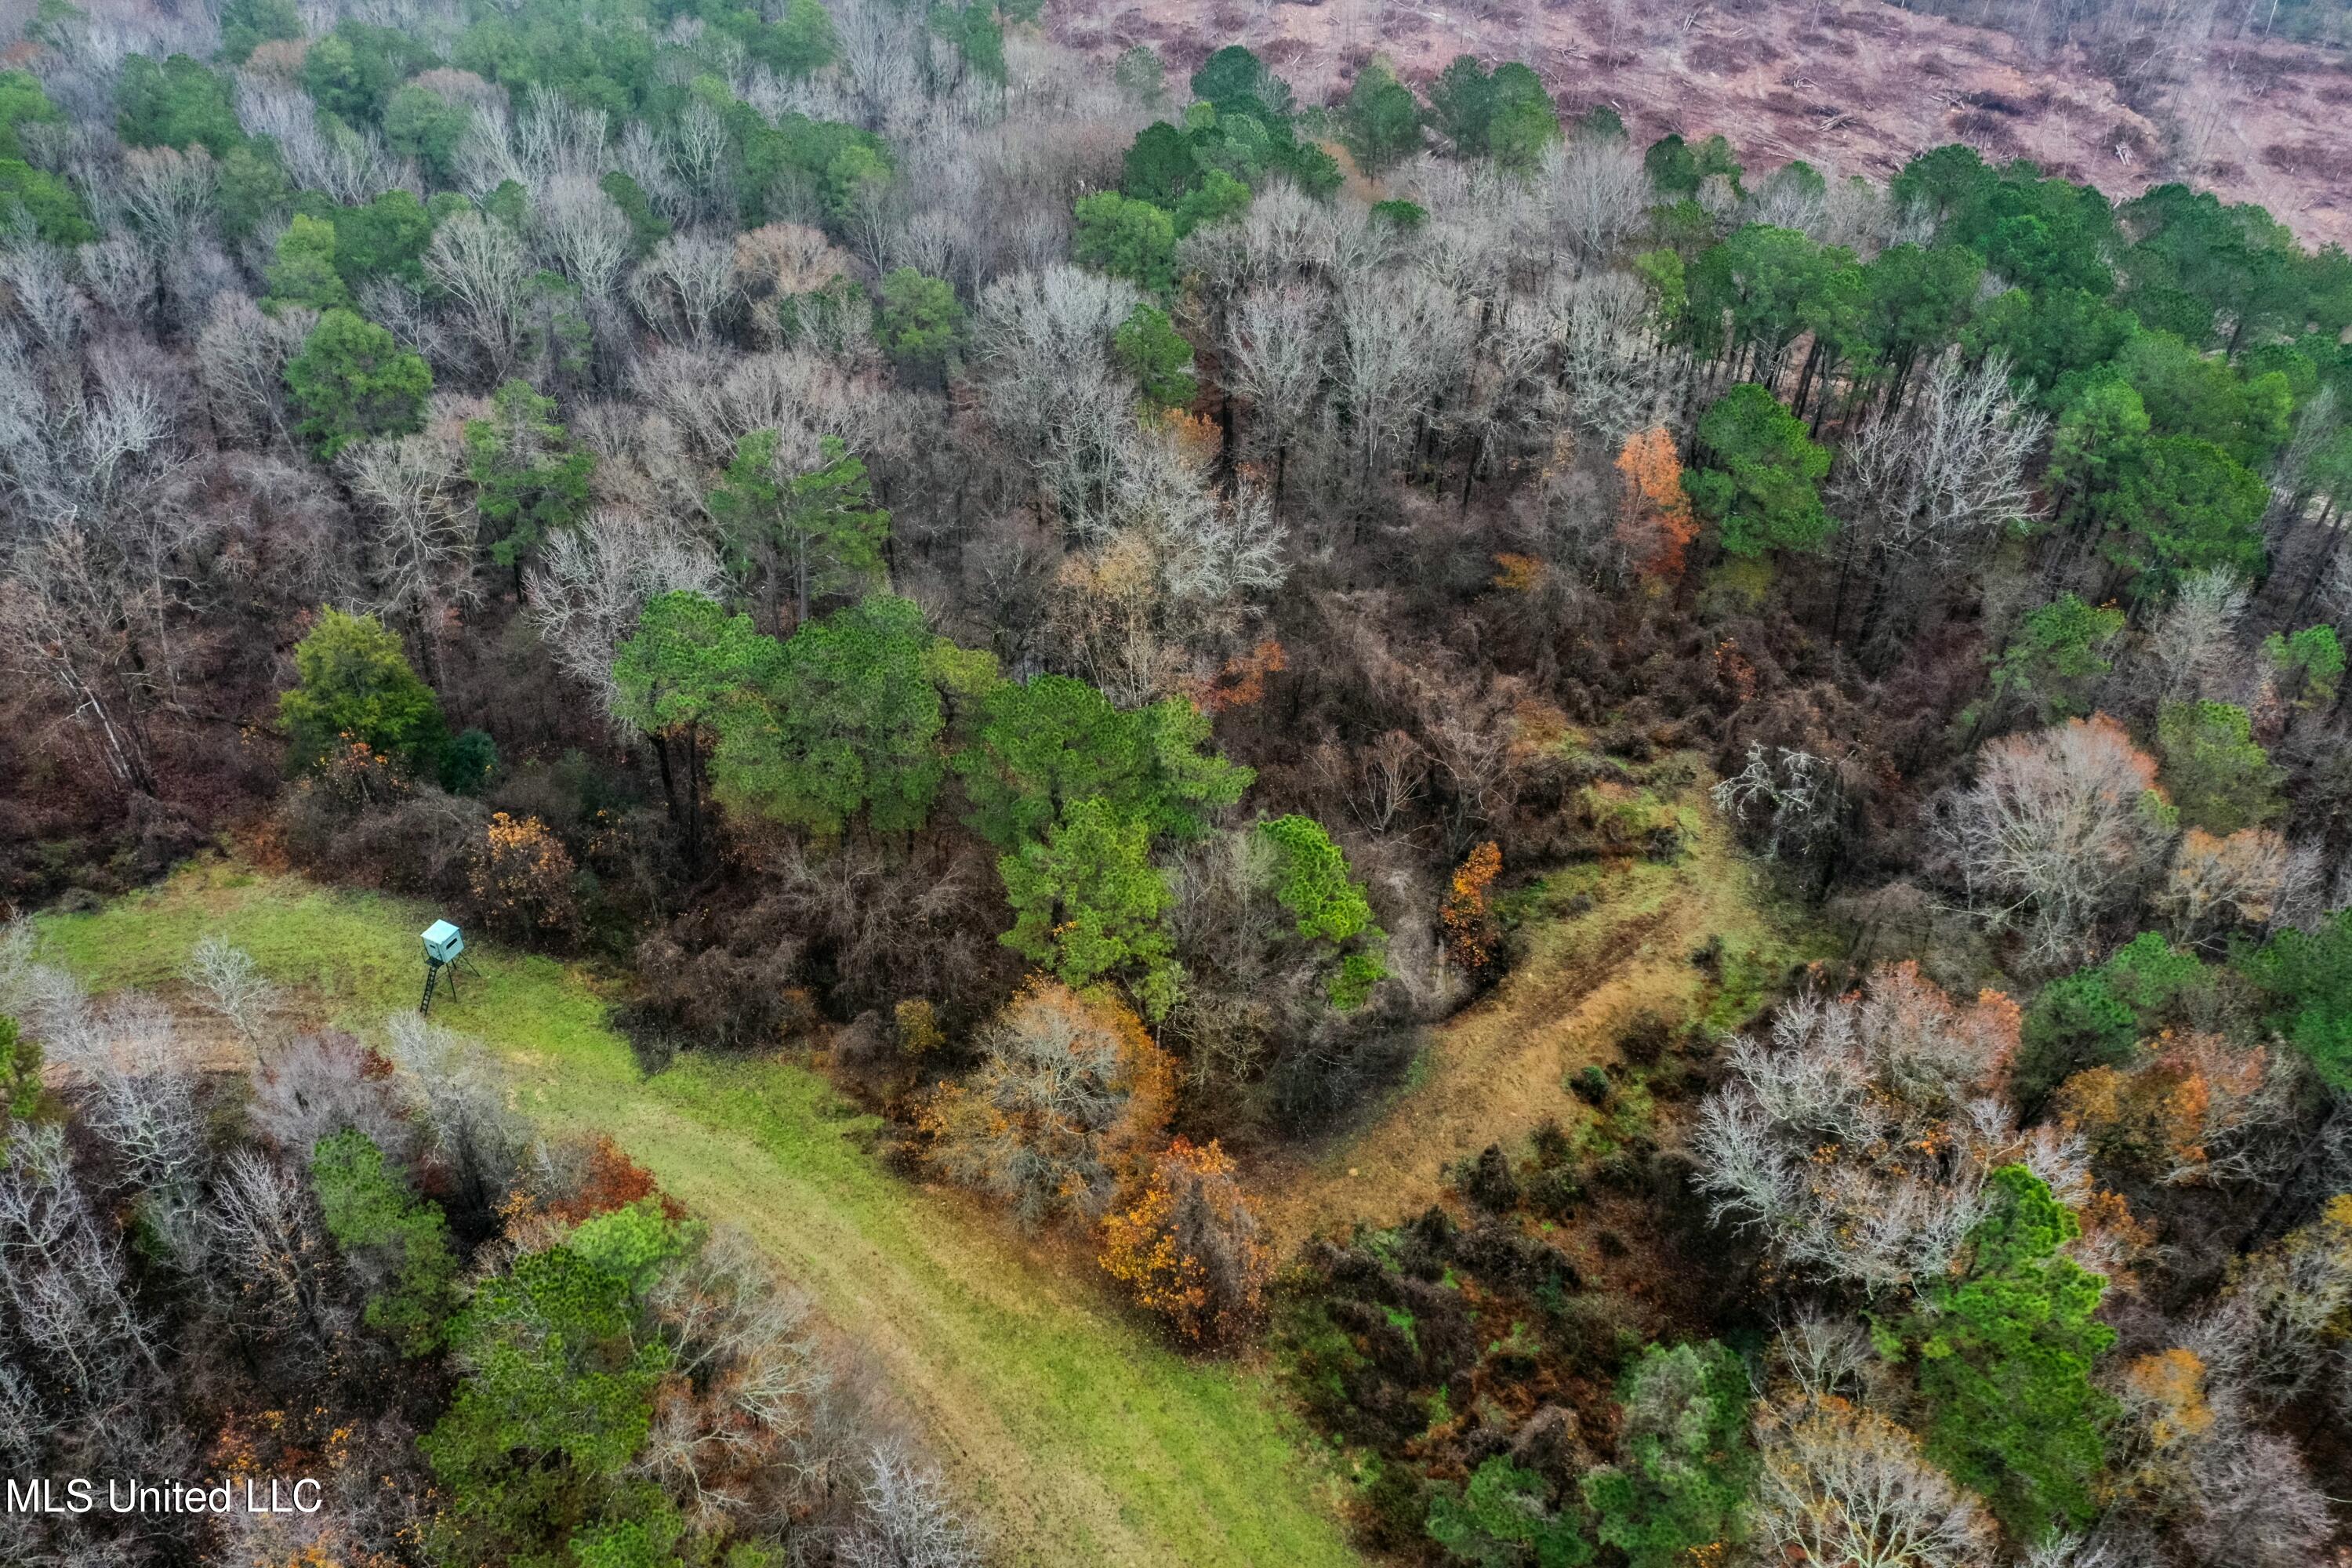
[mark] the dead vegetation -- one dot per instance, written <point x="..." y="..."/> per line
<point x="1856" y="86"/>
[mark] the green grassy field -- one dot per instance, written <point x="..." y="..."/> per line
<point x="1078" y="1436"/>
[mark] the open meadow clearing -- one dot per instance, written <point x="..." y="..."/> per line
<point x="1080" y="1437"/>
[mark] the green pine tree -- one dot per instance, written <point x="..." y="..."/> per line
<point x="2005" y="1356"/>
<point x="352" y="382"/>
<point x="1089" y="905"/>
<point x="397" y="1241"/>
<point x="529" y="479"/>
<point x="353" y="684"/>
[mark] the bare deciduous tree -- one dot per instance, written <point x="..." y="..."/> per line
<point x="44" y="296"/>
<point x="69" y="620"/>
<point x="1899" y="1086"/>
<point x="699" y="146"/>
<point x="1822" y="1357"/>
<point x="1400" y="339"/>
<point x="2057" y="832"/>
<point x="714" y="401"/>
<point x="2192" y="654"/>
<point x="1926" y="486"/>
<point x="686" y="289"/>
<point x="1285" y="235"/>
<point x="552" y="138"/>
<point x="1069" y="1091"/>
<point x="241" y="356"/>
<point x="1393" y="771"/>
<point x="2267" y="1334"/>
<point x="1498" y="403"/>
<point x="1613" y="378"/>
<point x="1279" y="353"/>
<point x="1597" y="193"/>
<point x="591" y="581"/>
<point x="583" y="232"/>
<point x="737" y="1332"/>
<point x="2258" y="1507"/>
<point x="349" y="165"/>
<point x="1791" y="800"/>
<point x="316" y="1086"/>
<point x="2189" y="1461"/>
<point x="1042" y="353"/>
<point x="462" y="1109"/>
<point x="1159" y="594"/>
<point x="904" y="1517"/>
<point x="421" y="535"/>
<point x="271" y="1240"/>
<point x="227" y="980"/>
<point x="641" y="154"/>
<point x="2073" y="1552"/>
<point x="79" y="439"/>
<point x="482" y="265"/>
<point x="170" y="196"/>
<point x="61" y="1274"/>
<point x="1847" y="1487"/>
<point x="140" y="1098"/>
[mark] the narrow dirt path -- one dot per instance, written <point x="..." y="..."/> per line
<point x="1499" y="1070"/>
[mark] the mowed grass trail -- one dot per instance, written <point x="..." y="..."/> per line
<point x="1602" y="941"/>
<point x="1076" y="1434"/>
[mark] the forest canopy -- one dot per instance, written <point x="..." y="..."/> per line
<point x="1122" y="615"/>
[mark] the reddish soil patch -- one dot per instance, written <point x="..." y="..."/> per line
<point x="1854" y="84"/>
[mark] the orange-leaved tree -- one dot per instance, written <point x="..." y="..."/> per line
<point x="1655" y="522"/>
<point x="1241" y="683"/>
<point x="1469" y="925"/>
<point x="522" y="876"/>
<point x="2216" y="882"/>
<point x="1516" y="574"/>
<point x="1189" y="1247"/>
<point x="2195" y="1110"/>
<point x="2166" y="1390"/>
<point x="573" y="1181"/>
<point x="594" y="1178"/>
